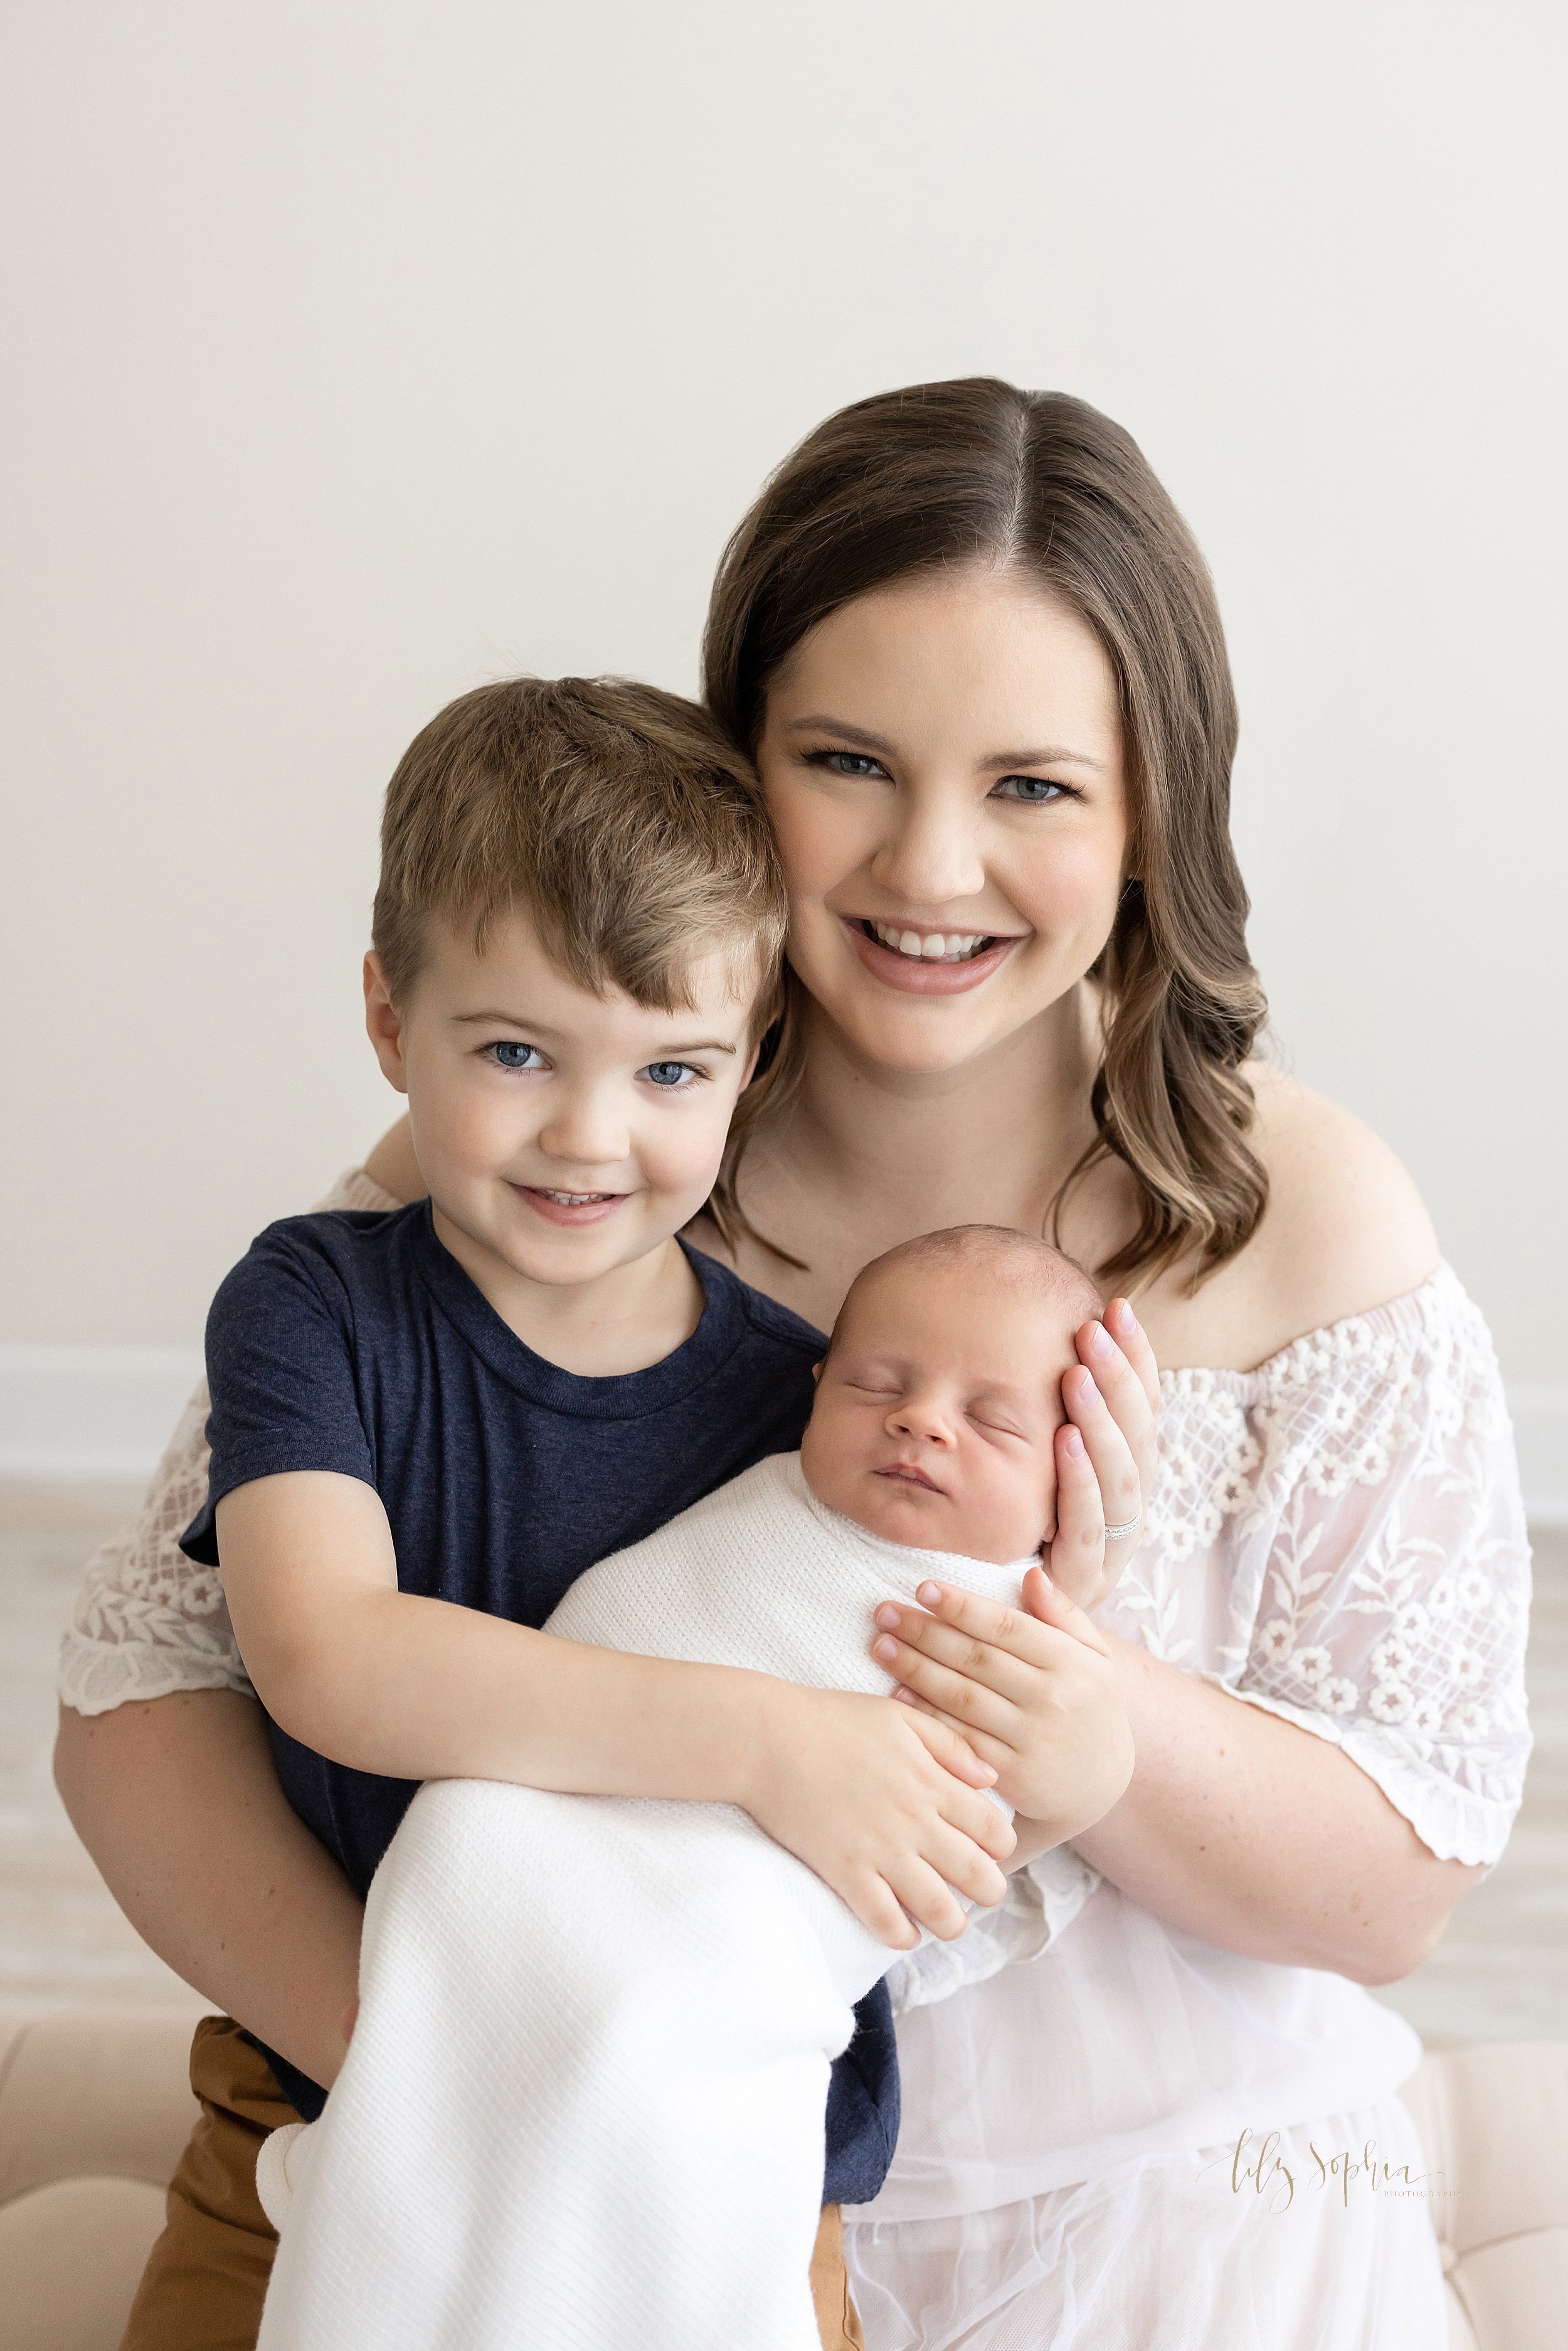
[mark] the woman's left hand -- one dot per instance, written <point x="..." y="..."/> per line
<point x="1104" y="1456"/>
<point x="1036" y="1695"/>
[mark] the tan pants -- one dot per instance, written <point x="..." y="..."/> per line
<point x="206" y="2277"/>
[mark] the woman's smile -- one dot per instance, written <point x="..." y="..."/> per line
<point x="927" y="963"/>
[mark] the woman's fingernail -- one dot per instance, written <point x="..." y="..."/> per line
<point x="885" y="1651"/>
<point x="1101" y="1343"/>
<point x="1072" y="1444"/>
<point x="887" y="1617"/>
<point x="1087" y="1388"/>
<point x="929" y="1594"/>
<point x="907" y="1697"/>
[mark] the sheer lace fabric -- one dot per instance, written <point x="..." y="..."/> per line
<point x="1338" y="1536"/>
<point x="149" y="1621"/>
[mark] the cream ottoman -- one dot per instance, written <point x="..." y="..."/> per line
<point x="95" y="2107"/>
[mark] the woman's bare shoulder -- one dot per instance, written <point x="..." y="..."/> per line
<point x="1345" y="1230"/>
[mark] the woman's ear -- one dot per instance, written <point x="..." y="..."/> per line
<point x="384" y="1024"/>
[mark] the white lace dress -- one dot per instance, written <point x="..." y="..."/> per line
<point x="1337" y="1536"/>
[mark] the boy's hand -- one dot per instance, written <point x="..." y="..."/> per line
<point x="884" y="1804"/>
<point x="1036" y="1695"/>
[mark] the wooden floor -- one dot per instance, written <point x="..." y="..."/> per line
<point x="1500" y="1975"/>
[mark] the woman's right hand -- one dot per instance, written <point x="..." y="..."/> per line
<point x="886" y="1805"/>
<point x="1105" y="1456"/>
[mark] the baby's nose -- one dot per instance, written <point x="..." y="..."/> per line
<point x="920" y="1416"/>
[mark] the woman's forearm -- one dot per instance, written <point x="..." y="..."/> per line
<point x="1255" y="1835"/>
<point x="178" y="1802"/>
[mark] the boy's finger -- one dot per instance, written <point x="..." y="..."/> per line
<point x="1053" y="1606"/>
<point x="988" y="1626"/>
<point x="882" y="1914"/>
<point x="959" y="1692"/>
<point x="929" y="1900"/>
<point x="949" y="1746"/>
<point x="995" y="1752"/>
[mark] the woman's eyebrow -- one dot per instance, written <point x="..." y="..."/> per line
<point x="1055" y="755"/>
<point x="823" y="725"/>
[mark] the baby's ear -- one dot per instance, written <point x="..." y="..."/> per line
<point x="817" y="1370"/>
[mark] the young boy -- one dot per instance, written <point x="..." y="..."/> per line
<point x="584" y="2106"/>
<point x="425" y="1424"/>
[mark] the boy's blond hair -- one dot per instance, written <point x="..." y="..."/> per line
<point x="619" y="818"/>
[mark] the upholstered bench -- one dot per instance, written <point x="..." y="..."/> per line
<point x="95" y="2107"/>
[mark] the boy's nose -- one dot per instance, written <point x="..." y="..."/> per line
<point x="585" y="1132"/>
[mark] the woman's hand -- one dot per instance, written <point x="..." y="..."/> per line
<point x="1104" y="1456"/>
<point x="1037" y="1695"/>
<point x="885" y="1806"/>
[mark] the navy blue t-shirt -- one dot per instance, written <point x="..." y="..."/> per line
<point x="356" y="1342"/>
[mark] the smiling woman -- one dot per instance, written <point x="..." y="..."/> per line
<point x="968" y="634"/>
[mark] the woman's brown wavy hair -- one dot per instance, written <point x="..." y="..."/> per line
<point x="977" y="471"/>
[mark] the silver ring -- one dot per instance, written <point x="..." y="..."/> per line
<point x="1120" y="1534"/>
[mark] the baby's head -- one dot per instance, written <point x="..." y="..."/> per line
<point x="940" y="1396"/>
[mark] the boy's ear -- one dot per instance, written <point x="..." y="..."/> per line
<point x="383" y="1024"/>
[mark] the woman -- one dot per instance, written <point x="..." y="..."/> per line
<point x="977" y="658"/>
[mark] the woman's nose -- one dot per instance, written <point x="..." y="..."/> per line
<point x="932" y="857"/>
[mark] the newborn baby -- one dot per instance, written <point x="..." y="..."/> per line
<point x="583" y="2105"/>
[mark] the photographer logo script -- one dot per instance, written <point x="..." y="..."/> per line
<point x="1258" y="2168"/>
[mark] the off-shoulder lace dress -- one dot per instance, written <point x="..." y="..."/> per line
<point x="1336" y="1536"/>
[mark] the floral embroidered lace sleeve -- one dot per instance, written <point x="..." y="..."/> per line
<point x="1338" y="1537"/>
<point x="149" y="1621"/>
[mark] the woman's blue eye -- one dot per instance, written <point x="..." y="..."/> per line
<point x="507" y="1054"/>
<point x="1030" y="789"/>
<point x="668" y="1073"/>
<point x="848" y="763"/>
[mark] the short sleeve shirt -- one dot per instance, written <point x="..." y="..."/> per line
<point x="355" y="1343"/>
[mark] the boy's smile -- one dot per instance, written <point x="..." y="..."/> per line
<point x="567" y="1136"/>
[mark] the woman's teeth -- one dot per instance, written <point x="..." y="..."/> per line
<point x="930" y="946"/>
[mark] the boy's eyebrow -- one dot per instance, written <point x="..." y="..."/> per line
<point x="543" y="1029"/>
<point x="1054" y="754"/>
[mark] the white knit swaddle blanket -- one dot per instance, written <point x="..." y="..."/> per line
<point x="583" y="2105"/>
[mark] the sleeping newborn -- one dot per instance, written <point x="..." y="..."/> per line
<point x="583" y="2105"/>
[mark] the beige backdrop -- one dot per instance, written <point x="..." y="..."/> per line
<point x="360" y="352"/>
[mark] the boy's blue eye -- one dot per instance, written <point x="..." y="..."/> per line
<point x="507" y="1054"/>
<point x="669" y="1074"/>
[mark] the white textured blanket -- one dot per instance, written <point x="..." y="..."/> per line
<point x="583" y="2106"/>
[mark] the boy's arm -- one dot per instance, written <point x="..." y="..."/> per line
<point x="882" y="1803"/>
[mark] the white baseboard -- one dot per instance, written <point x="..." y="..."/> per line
<point x="72" y="1415"/>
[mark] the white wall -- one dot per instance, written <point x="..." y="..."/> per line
<point x="360" y="352"/>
